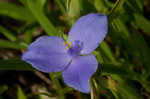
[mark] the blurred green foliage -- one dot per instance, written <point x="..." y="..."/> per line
<point x="124" y="56"/>
<point x="20" y="94"/>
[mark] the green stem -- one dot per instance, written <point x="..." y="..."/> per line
<point x="58" y="87"/>
<point x="92" y="88"/>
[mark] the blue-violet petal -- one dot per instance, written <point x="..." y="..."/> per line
<point x="47" y="54"/>
<point x="90" y="30"/>
<point x="78" y="73"/>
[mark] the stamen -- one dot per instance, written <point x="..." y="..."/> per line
<point x="64" y="43"/>
<point x="69" y="44"/>
<point x="67" y="47"/>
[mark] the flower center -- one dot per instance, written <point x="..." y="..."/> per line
<point x="68" y="45"/>
<point x="75" y="48"/>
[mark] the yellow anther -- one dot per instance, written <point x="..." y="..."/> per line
<point x="69" y="44"/>
<point x="67" y="47"/>
<point x="64" y="43"/>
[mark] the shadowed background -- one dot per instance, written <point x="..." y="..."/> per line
<point x="124" y="55"/>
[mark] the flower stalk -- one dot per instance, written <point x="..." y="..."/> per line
<point x="58" y="86"/>
<point x="93" y="96"/>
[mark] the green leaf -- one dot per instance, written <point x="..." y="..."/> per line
<point x="41" y="18"/>
<point x="41" y="3"/>
<point x="61" y="5"/>
<point x="23" y="2"/>
<point x="101" y="6"/>
<point x="117" y="6"/>
<point x="3" y="89"/>
<point x="142" y="50"/>
<point x="27" y="26"/>
<point x="107" y="51"/>
<point x="29" y="35"/>
<point x="15" y="11"/>
<point x="122" y="28"/>
<point x="20" y="94"/>
<point x="134" y="5"/>
<point x="14" y="64"/>
<point x="99" y="57"/>
<point x="7" y="34"/>
<point x="74" y="9"/>
<point x="140" y="4"/>
<point x="142" y="23"/>
<point x="126" y="89"/>
<point x="12" y="45"/>
<point x="116" y="69"/>
<point x="87" y="7"/>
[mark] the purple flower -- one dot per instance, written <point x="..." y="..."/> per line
<point x="74" y="59"/>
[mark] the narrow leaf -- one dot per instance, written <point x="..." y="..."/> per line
<point x="3" y="89"/>
<point x="142" y="23"/>
<point x="13" y="45"/>
<point x="7" y="34"/>
<point x="14" y="64"/>
<point x="126" y="88"/>
<point x="41" y="18"/>
<point x="107" y="51"/>
<point x="15" y="11"/>
<point x="21" y="94"/>
<point x="122" y="28"/>
<point x="74" y="9"/>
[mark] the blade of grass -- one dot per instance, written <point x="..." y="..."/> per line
<point x="126" y="88"/>
<point x="61" y="6"/>
<point x="20" y="94"/>
<point x="29" y="35"/>
<point x="142" y="23"/>
<point x="117" y="6"/>
<point x="7" y="34"/>
<point x="143" y="49"/>
<point x="122" y="28"/>
<point x="26" y="27"/>
<point x="12" y="45"/>
<point x="41" y="3"/>
<point x="74" y="9"/>
<point x="107" y="51"/>
<point x="116" y="69"/>
<point x="14" y="64"/>
<point x="101" y="6"/>
<point x="41" y="18"/>
<point x="15" y="11"/>
<point x="3" y="89"/>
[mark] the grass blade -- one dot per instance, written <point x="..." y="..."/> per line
<point x="12" y="45"/>
<point x="21" y="94"/>
<point x="41" y="18"/>
<point x="7" y="34"/>
<point x="15" y="11"/>
<point x="14" y="64"/>
<point x="142" y="23"/>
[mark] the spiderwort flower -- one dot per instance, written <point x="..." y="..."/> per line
<point x="74" y="59"/>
